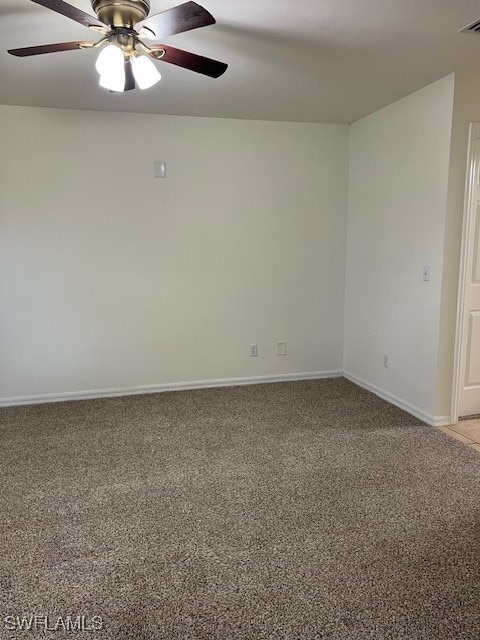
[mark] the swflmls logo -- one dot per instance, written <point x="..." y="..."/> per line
<point x="46" y="623"/>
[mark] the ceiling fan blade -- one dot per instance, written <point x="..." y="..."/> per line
<point x="49" y="48"/>
<point x="184" y="17"/>
<point x="129" y="78"/>
<point x="73" y="13"/>
<point x="191" y="61"/>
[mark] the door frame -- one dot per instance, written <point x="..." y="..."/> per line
<point x="470" y="187"/>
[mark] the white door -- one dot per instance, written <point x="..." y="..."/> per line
<point x="469" y="302"/>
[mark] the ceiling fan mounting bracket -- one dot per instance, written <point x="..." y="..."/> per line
<point x="121" y="13"/>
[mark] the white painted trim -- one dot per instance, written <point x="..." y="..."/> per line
<point x="436" y="421"/>
<point x="474" y="133"/>
<point x="442" y="421"/>
<point x="162" y="388"/>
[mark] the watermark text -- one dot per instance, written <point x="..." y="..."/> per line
<point x="36" y="622"/>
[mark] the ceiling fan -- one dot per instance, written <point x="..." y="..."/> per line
<point x="125" y="62"/>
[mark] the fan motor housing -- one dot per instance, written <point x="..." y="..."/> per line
<point x="121" y="13"/>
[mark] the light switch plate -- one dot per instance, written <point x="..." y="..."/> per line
<point x="281" y="348"/>
<point x="160" y="168"/>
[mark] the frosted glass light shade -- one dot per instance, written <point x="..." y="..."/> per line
<point x="145" y="72"/>
<point x="111" y="67"/>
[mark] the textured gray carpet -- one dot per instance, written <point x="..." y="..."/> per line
<point x="286" y="511"/>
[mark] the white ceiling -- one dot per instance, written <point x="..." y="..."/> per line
<point x="330" y="61"/>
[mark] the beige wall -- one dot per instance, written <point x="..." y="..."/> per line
<point x="399" y="164"/>
<point x="111" y="279"/>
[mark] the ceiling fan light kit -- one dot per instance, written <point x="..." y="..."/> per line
<point x="145" y="72"/>
<point x="125" y="62"/>
<point x="111" y="68"/>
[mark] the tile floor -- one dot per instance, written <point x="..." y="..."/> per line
<point x="466" y="431"/>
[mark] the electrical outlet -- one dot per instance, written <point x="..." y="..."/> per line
<point x="253" y="351"/>
<point x="386" y="360"/>
<point x="281" y="348"/>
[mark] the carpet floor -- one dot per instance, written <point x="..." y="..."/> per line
<point x="304" y="510"/>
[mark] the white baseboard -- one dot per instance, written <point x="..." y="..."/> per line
<point x="442" y="421"/>
<point x="161" y="388"/>
<point x="434" y="421"/>
<point x="437" y="421"/>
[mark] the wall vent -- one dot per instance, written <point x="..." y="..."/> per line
<point x="472" y="28"/>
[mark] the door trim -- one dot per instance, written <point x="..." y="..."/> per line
<point x="470" y="186"/>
